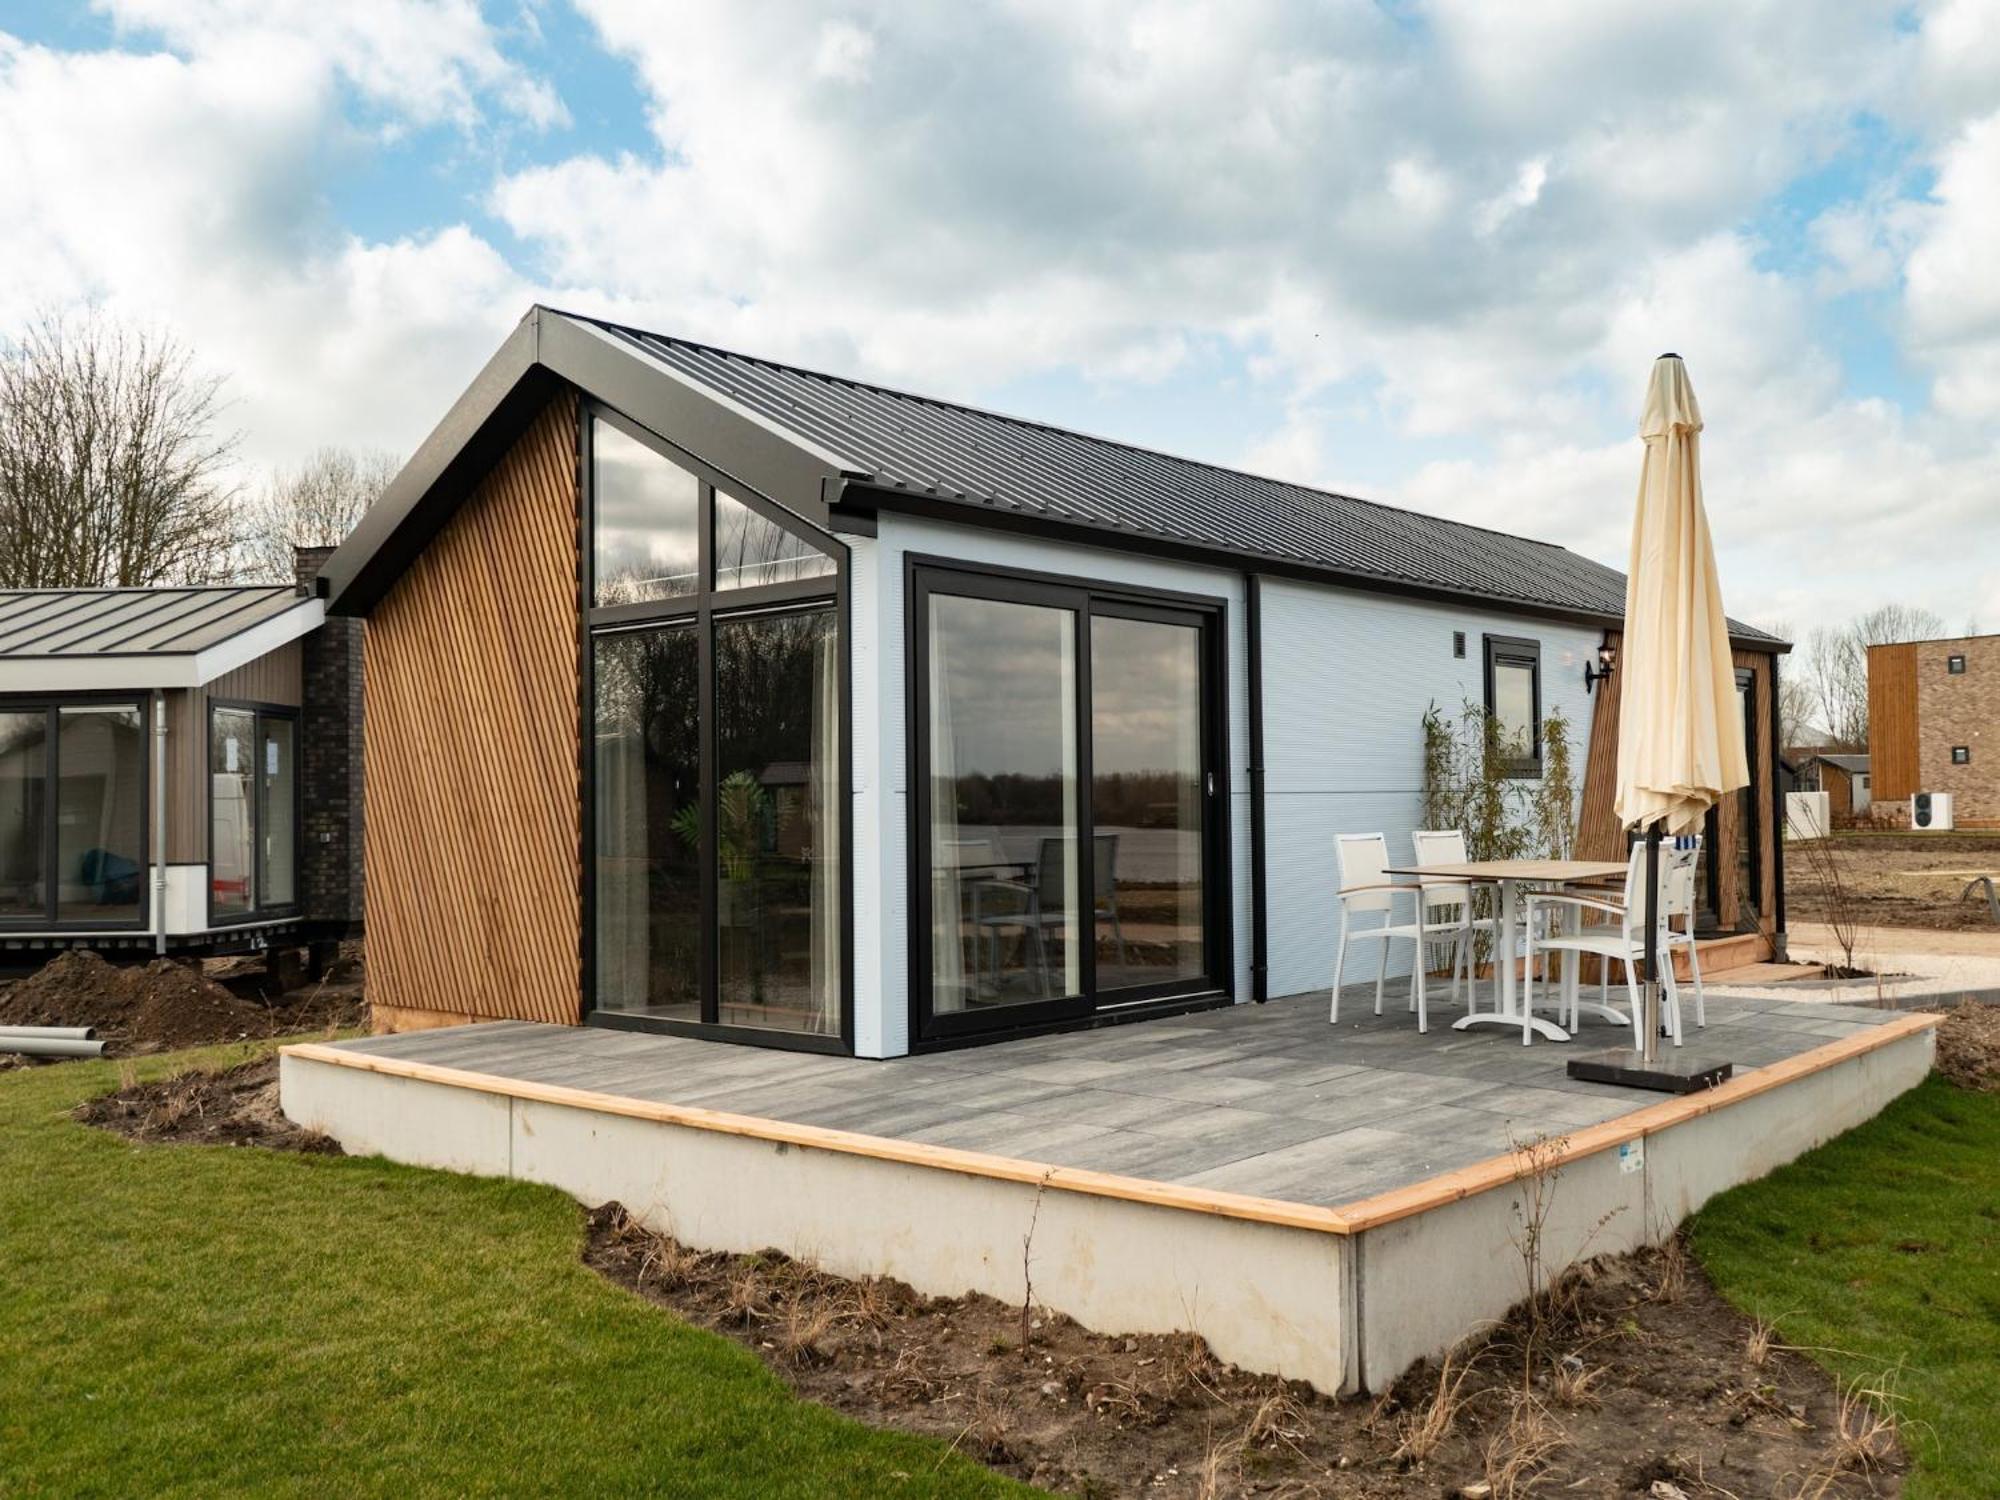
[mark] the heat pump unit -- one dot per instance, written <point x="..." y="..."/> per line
<point x="1931" y="811"/>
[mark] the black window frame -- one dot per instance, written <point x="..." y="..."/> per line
<point x="699" y="611"/>
<point x="1961" y="755"/>
<point x="1954" y="664"/>
<point x="924" y="575"/>
<point x="259" y="913"/>
<point x="1517" y="650"/>
<point x="51" y="704"/>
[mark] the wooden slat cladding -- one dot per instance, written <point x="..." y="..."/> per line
<point x="1598" y="835"/>
<point x="271" y="678"/>
<point x="1892" y="722"/>
<point x="470" y="687"/>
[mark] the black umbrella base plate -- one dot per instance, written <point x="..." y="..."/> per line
<point x="1674" y="1071"/>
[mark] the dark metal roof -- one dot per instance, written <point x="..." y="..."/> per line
<point x="1854" y="765"/>
<point x="990" y="463"/>
<point x="93" y="623"/>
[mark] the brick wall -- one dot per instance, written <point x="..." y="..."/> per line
<point x="330" y="762"/>
<point x="1960" y="710"/>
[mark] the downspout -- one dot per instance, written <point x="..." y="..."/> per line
<point x="159" y="822"/>
<point x="1260" y="941"/>
<point x="1780" y="943"/>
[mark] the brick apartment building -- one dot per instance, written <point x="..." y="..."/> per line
<point x="1934" y="726"/>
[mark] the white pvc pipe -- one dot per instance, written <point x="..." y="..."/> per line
<point x="55" y="1046"/>
<point x="65" y="1033"/>
<point x="160" y="822"/>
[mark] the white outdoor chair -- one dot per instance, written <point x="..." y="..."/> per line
<point x="1622" y="941"/>
<point x="1365" y="887"/>
<point x="1446" y="913"/>
<point x="1679" y="901"/>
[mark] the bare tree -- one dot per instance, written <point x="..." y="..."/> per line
<point x="111" y="468"/>
<point x="1836" y="665"/>
<point x="315" y="505"/>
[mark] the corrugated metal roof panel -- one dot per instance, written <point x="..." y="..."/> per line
<point x="90" y="623"/>
<point x="989" y="461"/>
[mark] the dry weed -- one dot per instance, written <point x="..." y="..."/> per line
<point x="803" y="1329"/>
<point x="1671" y="1286"/>
<point x="1420" y="1432"/>
<point x="1572" y="1382"/>
<point x="1518" y="1450"/>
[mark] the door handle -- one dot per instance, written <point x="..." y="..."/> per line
<point x="1211" y="783"/>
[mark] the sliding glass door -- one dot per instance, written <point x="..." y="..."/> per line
<point x="1068" y="820"/>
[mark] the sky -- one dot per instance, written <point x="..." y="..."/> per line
<point x="1418" y="250"/>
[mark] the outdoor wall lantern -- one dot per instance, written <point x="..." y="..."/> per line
<point x="1607" y="658"/>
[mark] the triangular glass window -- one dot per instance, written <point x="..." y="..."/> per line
<point x="752" y="550"/>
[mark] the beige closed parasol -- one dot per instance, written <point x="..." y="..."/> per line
<point x="1680" y="730"/>
<point x="1680" y="735"/>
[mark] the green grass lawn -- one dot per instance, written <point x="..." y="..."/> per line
<point x="190" y="1321"/>
<point x="1882" y="1248"/>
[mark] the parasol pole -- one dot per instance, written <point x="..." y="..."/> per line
<point x="1649" y="1049"/>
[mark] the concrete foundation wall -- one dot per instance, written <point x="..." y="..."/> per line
<point x="1343" y="1310"/>
<point x="1267" y="1297"/>
<point x="1428" y="1280"/>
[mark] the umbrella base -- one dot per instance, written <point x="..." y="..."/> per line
<point x="1673" y="1072"/>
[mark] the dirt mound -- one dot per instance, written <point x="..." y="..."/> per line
<point x="1639" y="1379"/>
<point x="234" y="1108"/>
<point x="1968" y="1046"/>
<point x="152" y="1008"/>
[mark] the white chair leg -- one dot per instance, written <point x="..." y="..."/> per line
<point x="1419" y="986"/>
<point x="1694" y="968"/>
<point x="1671" y="998"/>
<point x="1638" y="1007"/>
<point x="1381" y="972"/>
<point x="1339" y="967"/>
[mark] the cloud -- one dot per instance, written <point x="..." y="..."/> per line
<point x="1452" y="234"/>
<point x="430" y="63"/>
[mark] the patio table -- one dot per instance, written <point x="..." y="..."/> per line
<point x="1510" y="875"/>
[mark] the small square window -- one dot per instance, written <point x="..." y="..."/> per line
<point x="1961" y="755"/>
<point x="1955" y="664"/>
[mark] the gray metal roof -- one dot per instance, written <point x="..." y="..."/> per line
<point x="1854" y="765"/>
<point x="96" y="623"/>
<point x="992" y="463"/>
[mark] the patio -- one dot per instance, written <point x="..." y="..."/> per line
<point x="1309" y="1198"/>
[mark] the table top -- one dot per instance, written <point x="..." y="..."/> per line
<point x="1558" y="870"/>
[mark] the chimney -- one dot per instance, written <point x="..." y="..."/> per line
<point x="306" y="563"/>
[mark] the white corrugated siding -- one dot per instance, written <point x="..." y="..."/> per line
<point x="1347" y="677"/>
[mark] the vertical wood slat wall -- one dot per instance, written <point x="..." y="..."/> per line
<point x="1892" y="722"/>
<point x="1599" y="835"/>
<point x="470" y="690"/>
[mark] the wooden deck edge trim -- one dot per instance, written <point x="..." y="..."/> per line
<point x="1498" y="1171"/>
<point x="1271" y="1211"/>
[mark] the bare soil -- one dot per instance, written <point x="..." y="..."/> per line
<point x="237" y="1107"/>
<point x="1633" y="1377"/>
<point x="1968" y="1046"/>
<point x="1902" y="880"/>
<point x="168" y="1004"/>
<point x="1636" y="1379"/>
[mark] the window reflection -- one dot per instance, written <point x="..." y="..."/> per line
<point x="646" y="539"/>
<point x="751" y="550"/>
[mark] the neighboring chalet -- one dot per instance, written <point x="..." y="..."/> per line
<point x="1844" y="779"/>
<point x="179" y="769"/>
<point x="707" y="694"/>
<point x="1934" y="731"/>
